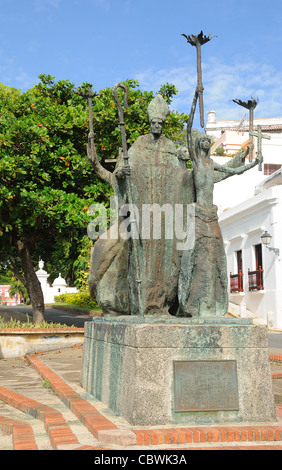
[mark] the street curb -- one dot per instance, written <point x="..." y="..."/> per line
<point x="78" y="311"/>
<point x="17" y="342"/>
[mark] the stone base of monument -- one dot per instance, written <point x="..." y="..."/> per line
<point x="160" y="371"/>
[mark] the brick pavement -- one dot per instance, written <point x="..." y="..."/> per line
<point x="71" y="419"/>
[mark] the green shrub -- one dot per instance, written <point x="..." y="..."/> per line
<point x="15" y="324"/>
<point x="220" y="152"/>
<point x="81" y="299"/>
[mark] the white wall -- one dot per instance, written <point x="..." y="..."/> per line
<point x="214" y="126"/>
<point x="239" y="188"/>
<point x="242" y="227"/>
<point x="244" y="216"/>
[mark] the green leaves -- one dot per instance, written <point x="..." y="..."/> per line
<point x="46" y="180"/>
<point x="43" y="166"/>
<point x="106" y="121"/>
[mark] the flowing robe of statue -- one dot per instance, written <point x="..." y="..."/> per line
<point x="155" y="170"/>
<point x="203" y="283"/>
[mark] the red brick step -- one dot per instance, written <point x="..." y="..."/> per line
<point x="22" y="433"/>
<point x="58" y="430"/>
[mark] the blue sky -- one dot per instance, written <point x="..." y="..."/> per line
<point x="105" y="41"/>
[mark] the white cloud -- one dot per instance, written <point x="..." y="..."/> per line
<point x="25" y="81"/>
<point x="43" y="4"/>
<point x="12" y="75"/>
<point x="222" y="83"/>
<point x="102" y="3"/>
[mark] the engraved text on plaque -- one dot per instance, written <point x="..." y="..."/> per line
<point x="205" y="386"/>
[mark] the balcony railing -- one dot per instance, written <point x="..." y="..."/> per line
<point x="236" y="282"/>
<point x="255" y="279"/>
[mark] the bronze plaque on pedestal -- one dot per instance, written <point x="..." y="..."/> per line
<point x="205" y="386"/>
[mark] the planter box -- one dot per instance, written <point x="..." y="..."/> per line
<point x="19" y="342"/>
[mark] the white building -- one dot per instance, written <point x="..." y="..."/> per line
<point x="217" y="127"/>
<point x="59" y="285"/>
<point x="255" y="272"/>
<point x="232" y="135"/>
<point x="249" y="205"/>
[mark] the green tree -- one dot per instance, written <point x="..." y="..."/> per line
<point x="6" y="275"/>
<point x="44" y="191"/>
<point x="106" y="121"/>
<point x="46" y="180"/>
<point x="220" y="151"/>
<point x="16" y="286"/>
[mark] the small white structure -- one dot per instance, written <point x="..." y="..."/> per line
<point x="59" y="285"/>
<point x="255" y="272"/>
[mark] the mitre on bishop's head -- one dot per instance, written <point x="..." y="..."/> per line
<point x="158" y="108"/>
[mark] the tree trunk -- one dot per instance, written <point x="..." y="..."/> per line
<point x="32" y="284"/>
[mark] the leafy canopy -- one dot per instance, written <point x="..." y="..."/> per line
<point x="46" y="180"/>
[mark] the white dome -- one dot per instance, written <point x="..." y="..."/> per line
<point x="59" y="281"/>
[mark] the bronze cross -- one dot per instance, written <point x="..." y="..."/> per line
<point x="260" y="136"/>
<point x="250" y="105"/>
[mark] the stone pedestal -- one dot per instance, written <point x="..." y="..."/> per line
<point x="179" y="371"/>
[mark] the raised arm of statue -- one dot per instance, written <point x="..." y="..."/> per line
<point x="99" y="169"/>
<point x="238" y="159"/>
<point x="235" y="162"/>
<point x="190" y="124"/>
<point x="228" y="171"/>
